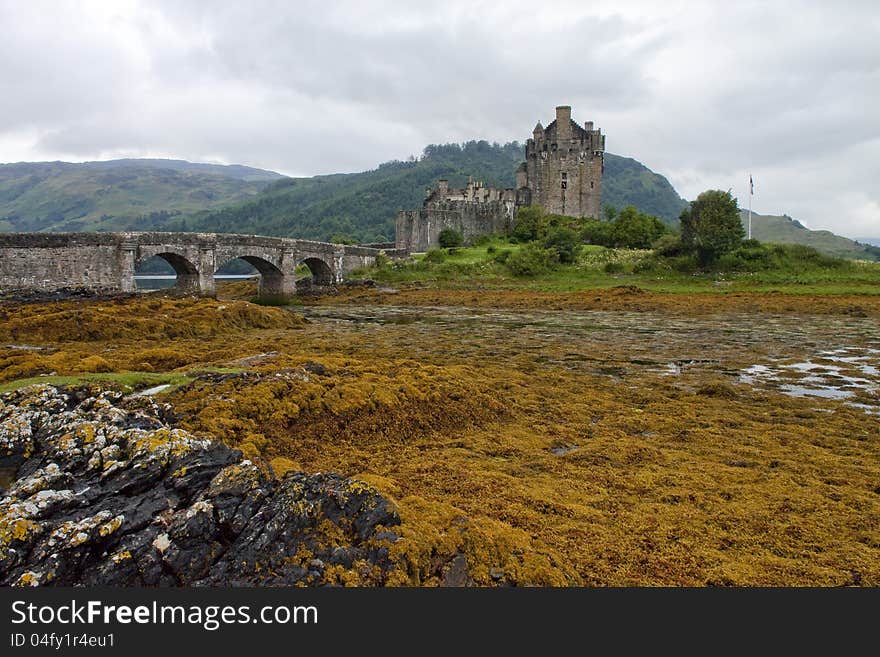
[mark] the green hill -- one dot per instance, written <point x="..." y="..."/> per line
<point x="179" y="195"/>
<point x="783" y="229"/>
<point x="362" y="206"/>
<point x="118" y="194"/>
<point x="629" y="182"/>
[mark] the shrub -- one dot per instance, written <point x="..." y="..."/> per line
<point x="502" y="256"/>
<point x="636" y="230"/>
<point x="491" y="249"/>
<point x="382" y="260"/>
<point x="450" y="238"/>
<point x="531" y="224"/>
<point x="531" y="260"/>
<point x="480" y="240"/>
<point x="686" y="264"/>
<point x="564" y="243"/>
<point x="613" y="267"/>
<point x="668" y="245"/>
<point x="435" y="256"/>
<point x="596" y="232"/>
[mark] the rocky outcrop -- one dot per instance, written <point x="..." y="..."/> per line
<point x="98" y="492"/>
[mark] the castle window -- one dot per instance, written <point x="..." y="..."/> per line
<point x="591" y="184"/>
<point x="564" y="180"/>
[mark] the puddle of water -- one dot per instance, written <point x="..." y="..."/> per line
<point x="826" y="392"/>
<point x="870" y="410"/>
<point x="150" y="391"/>
<point x="559" y="451"/>
<point x="821" y="380"/>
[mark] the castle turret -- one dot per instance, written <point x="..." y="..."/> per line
<point x="563" y="122"/>
<point x="522" y="176"/>
<point x="564" y="164"/>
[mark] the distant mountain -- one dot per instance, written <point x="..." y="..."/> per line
<point x="176" y="195"/>
<point x="873" y="241"/>
<point x="118" y="194"/>
<point x="362" y="206"/>
<point x="784" y="229"/>
<point x="238" y="171"/>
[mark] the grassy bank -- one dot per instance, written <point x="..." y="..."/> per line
<point x="483" y="267"/>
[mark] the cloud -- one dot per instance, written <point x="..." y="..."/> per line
<point x="704" y="93"/>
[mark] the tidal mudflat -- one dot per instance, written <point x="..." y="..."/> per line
<point x="529" y="442"/>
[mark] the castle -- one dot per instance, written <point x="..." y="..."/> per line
<point x="562" y="174"/>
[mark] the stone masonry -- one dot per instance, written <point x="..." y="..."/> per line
<point x="562" y="173"/>
<point x="563" y="167"/>
<point x="471" y="211"/>
<point x="107" y="261"/>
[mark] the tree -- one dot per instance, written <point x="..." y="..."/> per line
<point x="711" y="226"/>
<point x="636" y="230"/>
<point x="450" y="238"/>
<point x="564" y="242"/>
<point x="531" y="224"/>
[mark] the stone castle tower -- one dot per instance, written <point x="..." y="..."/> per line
<point x="562" y="173"/>
<point x="563" y="168"/>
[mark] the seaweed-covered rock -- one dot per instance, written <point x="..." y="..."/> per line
<point x="102" y="494"/>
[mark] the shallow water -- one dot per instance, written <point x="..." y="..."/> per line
<point x="827" y="357"/>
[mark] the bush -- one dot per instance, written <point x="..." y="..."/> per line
<point x="435" y="256"/>
<point x="450" y="238"/>
<point x="564" y="243"/>
<point x="531" y="260"/>
<point x="491" y="249"/>
<point x="596" y="232"/>
<point x="382" y="260"/>
<point x="480" y="240"/>
<point x="668" y="245"/>
<point x="686" y="264"/>
<point x="636" y="230"/>
<point x="614" y="267"/>
<point x="502" y="256"/>
<point x="752" y="256"/>
<point x="531" y="224"/>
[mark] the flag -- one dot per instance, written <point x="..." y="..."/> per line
<point x="751" y="186"/>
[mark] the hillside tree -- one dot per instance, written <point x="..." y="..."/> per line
<point x="711" y="226"/>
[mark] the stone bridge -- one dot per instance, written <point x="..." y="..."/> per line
<point x="107" y="261"/>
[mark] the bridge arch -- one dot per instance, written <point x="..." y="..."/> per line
<point x="187" y="273"/>
<point x="273" y="282"/>
<point x="322" y="272"/>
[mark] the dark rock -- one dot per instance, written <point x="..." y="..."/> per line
<point x="456" y="572"/>
<point x="107" y="495"/>
<point x="315" y="368"/>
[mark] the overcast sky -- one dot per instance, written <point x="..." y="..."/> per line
<point x="703" y="93"/>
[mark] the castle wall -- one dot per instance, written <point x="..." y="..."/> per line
<point x="419" y="230"/>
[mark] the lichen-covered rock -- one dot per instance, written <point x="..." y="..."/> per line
<point x="108" y="495"/>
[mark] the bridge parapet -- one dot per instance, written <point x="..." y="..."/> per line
<point x="108" y="261"/>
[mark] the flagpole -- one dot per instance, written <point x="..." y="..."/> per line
<point x="751" y="191"/>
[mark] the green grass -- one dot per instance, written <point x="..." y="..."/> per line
<point x="474" y="266"/>
<point x="127" y="381"/>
